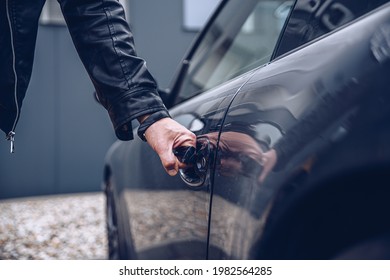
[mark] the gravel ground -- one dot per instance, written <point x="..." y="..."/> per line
<point x="69" y="227"/>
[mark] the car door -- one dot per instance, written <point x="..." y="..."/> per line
<point x="241" y="39"/>
<point x="167" y="217"/>
<point x="271" y="104"/>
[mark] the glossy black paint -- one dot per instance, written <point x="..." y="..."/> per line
<point x="324" y="99"/>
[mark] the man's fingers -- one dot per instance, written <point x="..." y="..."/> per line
<point x="170" y="163"/>
<point x="164" y="136"/>
<point x="172" y="172"/>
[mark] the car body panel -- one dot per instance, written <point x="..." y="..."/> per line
<point x="276" y="100"/>
<point x="316" y="85"/>
<point x="163" y="216"/>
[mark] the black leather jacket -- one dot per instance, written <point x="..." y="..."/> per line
<point x="105" y="45"/>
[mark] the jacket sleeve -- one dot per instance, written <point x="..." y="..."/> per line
<point x="105" y="44"/>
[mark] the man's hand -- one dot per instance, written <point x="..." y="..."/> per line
<point x="165" y="135"/>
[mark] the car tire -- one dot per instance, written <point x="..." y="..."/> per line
<point x="111" y="218"/>
<point x="112" y="233"/>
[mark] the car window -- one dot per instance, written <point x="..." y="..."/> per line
<point x="242" y="37"/>
<point x="311" y="19"/>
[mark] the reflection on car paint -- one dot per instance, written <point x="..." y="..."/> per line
<point x="319" y="113"/>
<point x="323" y="107"/>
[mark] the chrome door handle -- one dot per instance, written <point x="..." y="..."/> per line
<point x="198" y="161"/>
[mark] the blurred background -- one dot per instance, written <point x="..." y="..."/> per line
<point x="63" y="134"/>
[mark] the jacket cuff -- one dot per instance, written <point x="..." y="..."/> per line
<point x="149" y="121"/>
<point x="130" y="107"/>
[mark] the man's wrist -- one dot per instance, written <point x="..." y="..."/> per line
<point x="149" y="120"/>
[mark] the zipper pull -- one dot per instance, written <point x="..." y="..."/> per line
<point x="11" y="137"/>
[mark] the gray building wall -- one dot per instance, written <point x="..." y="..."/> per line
<point x="159" y="35"/>
<point x="63" y="134"/>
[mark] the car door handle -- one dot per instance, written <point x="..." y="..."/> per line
<point x="197" y="160"/>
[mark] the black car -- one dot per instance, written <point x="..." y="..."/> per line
<point x="290" y="104"/>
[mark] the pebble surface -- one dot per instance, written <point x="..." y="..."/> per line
<point x="68" y="227"/>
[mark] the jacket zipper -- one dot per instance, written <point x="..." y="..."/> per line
<point x="11" y="134"/>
